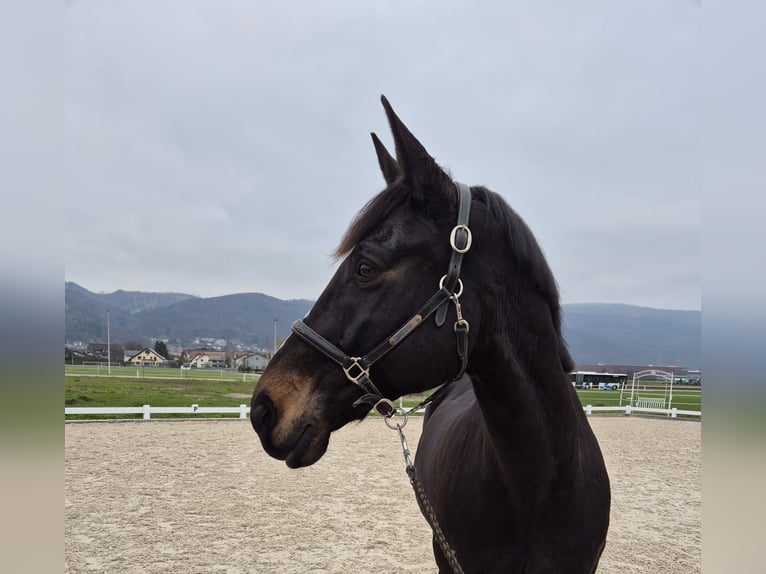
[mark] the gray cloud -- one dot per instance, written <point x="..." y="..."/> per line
<point x="217" y="148"/>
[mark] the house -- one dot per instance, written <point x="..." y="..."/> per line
<point x="206" y="359"/>
<point x="128" y="353"/>
<point x="146" y="357"/>
<point x="200" y="360"/>
<point x="252" y="361"/>
<point x="102" y="352"/>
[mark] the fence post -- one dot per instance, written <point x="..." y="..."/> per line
<point x="147" y="412"/>
<point x="627" y="409"/>
<point x="674" y="413"/>
<point x="243" y="411"/>
<point x="588" y="410"/>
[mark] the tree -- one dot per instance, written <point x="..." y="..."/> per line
<point x="161" y="348"/>
<point x="133" y="345"/>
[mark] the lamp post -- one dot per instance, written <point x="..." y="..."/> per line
<point x="108" y="346"/>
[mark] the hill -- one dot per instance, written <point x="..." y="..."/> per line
<point x="595" y="332"/>
<point x="244" y="317"/>
<point x="85" y="316"/>
<point x="136" y="301"/>
<point x="247" y="318"/>
<point x="630" y="335"/>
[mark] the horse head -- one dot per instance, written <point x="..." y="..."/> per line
<point x="395" y="253"/>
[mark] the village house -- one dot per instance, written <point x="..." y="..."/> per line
<point x="146" y="357"/>
<point x="252" y="361"/>
<point x="128" y="353"/>
<point x="206" y="359"/>
<point x="101" y="352"/>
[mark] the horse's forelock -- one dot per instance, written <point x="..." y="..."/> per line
<point x="372" y="215"/>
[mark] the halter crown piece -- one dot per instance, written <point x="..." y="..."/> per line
<point x="357" y="369"/>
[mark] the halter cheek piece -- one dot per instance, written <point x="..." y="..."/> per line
<point x="357" y="369"/>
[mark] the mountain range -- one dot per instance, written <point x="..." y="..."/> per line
<point x="595" y="332"/>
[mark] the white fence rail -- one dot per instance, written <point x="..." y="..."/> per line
<point x="147" y="411"/>
<point x="628" y="410"/>
<point x="244" y="411"/>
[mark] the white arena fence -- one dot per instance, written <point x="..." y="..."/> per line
<point x="628" y="410"/>
<point x="147" y="411"/>
<point x="244" y="411"/>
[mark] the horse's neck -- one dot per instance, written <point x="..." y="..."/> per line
<point x="528" y="411"/>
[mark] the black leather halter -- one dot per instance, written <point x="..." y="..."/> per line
<point x="357" y="369"/>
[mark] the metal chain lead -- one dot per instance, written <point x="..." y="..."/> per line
<point x="425" y="505"/>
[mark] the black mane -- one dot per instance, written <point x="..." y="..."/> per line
<point x="523" y="248"/>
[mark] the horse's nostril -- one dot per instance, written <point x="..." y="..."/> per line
<point x="262" y="414"/>
<point x="258" y="414"/>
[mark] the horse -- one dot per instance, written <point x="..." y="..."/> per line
<point x="442" y="284"/>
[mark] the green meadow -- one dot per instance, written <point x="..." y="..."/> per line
<point x="93" y="386"/>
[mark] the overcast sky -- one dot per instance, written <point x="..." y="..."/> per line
<point x="223" y="147"/>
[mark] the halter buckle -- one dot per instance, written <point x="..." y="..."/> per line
<point x="356" y="375"/>
<point x="468" y="238"/>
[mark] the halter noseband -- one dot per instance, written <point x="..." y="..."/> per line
<point x="357" y="369"/>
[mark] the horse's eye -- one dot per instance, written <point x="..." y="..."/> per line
<point x="365" y="272"/>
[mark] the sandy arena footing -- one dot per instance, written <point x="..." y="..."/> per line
<point x="202" y="496"/>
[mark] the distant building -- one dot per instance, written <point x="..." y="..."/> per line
<point x="147" y="357"/>
<point x="253" y="361"/>
<point x="681" y="374"/>
<point x="128" y="353"/>
<point x="206" y="359"/>
<point x="101" y="352"/>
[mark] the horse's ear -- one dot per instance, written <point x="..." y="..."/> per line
<point x="388" y="164"/>
<point x="419" y="170"/>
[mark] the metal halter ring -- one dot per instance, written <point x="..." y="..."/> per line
<point x="460" y="285"/>
<point x="392" y="423"/>
<point x="453" y="237"/>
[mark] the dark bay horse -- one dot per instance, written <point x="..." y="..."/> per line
<point x="439" y="279"/>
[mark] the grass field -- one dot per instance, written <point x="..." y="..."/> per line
<point x="684" y="397"/>
<point x="158" y="373"/>
<point x="90" y="386"/>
